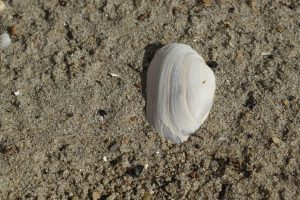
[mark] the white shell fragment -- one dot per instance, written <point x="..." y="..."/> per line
<point x="17" y="93"/>
<point x="5" y="40"/>
<point x="114" y="75"/>
<point x="104" y="158"/>
<point x="180" y="91"/>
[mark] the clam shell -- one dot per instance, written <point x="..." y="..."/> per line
<point x="180" y="90"/>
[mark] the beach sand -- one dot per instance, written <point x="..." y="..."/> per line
<point x="74" y="131"/>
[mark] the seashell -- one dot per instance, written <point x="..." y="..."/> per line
<point x="180" y="90"/>
<point x="5" y="40"/>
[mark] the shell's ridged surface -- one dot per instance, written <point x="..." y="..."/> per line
<point x="180" y="91"/>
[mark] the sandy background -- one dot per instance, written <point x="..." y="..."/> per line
<point x="75" y="132"/>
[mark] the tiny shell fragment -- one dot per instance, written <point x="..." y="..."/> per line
<point x="17" y="93"/>
<point x="114" y="75"/>
<point x="104" y="158"/>
<point x="5" y="40"/>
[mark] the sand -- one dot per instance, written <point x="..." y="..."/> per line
<point x="70" y="130"/>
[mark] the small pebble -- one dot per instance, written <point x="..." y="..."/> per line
<point x="138" y="85"/>
<point x="96" y="195"/>
<point x="2" y="6"/>
<point x="62" y="2"/>
<point x="144" y="16"/>
<point x="193" y="174"/>
<point x="207" y="2"/>
<point x="146" y="166"/>
<point x="247" y="115"/>
<point x="285" y="102"/>
<point x="214" y="165"/>
<point x="101" y="119"/>
<point x="137" y="170"/>
<point x="5" y="40"/>
<point x="75" y="197"/>
<point x="252" y="4"/>
<point x="114" y="147"/>
<point x="226" y="24"/>
<point x="66" y="173"/>
<point x="275" y="140"/>
<point x="125" y="140"/>
<point x="279" y="28"/>
<point x="13" y="30"/>
<point x="147" y="196"/>
<point x="251" y="101"/>
<point x="239" y="55"/>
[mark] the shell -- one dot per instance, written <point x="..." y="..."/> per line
<point x="5" y="40"/>
<point x="180" y="90"/>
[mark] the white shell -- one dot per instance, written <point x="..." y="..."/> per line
<point x="5" y="40"/>
<point x="180" y="91"/>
